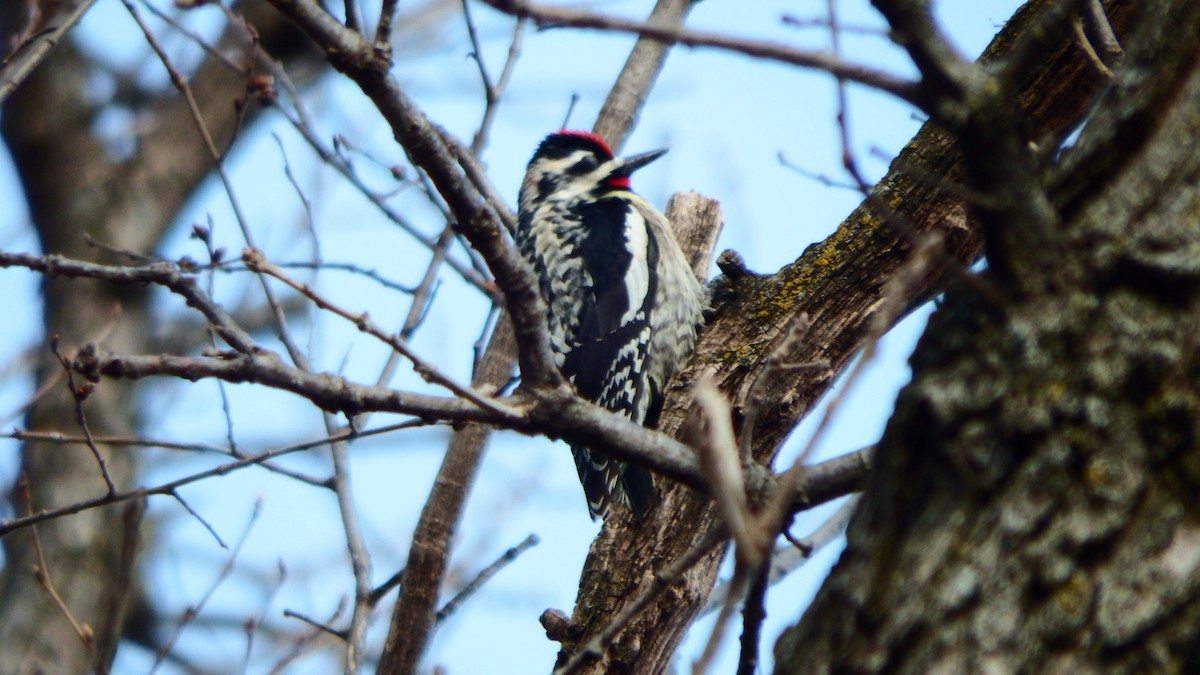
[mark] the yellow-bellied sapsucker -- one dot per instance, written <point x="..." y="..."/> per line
<point x="623" y="305"/>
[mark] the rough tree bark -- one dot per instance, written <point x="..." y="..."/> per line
<point x="1033" y="507"/>
<point x="75" y="187"/>
<point x="840" y="283"/>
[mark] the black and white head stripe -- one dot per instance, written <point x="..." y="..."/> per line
<point x="563" y="143"/>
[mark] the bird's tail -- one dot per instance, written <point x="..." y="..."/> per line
<point x="607" y="481"/>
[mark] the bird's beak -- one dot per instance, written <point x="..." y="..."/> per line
<point x="631" y="164"/>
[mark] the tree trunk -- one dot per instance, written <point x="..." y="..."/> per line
<point x="1033" y="506"/>
<point x="76" y="186"/>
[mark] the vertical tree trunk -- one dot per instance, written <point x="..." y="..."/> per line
<point x="1033" y="508"/>
<point x="76" y="186"/>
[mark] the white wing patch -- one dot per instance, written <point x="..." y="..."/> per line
<point x="637" y="280"/>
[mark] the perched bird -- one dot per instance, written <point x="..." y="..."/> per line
<point x="623" y="305"/>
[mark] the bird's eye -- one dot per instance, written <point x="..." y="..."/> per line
<point x="585" y="165"/>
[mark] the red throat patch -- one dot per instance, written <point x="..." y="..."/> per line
<point x="618" y="182"/>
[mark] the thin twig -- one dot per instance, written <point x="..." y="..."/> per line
<point x="353" y="16"/>
<point x="60" y="437"/>
<point x="823" y="23"/>
<point x="477" y="55"/>
<point x="386" y="587"/>
<point x="130" y="255"/>
<point x="302" y="124"/>
<point x="427" y="371"/>
<point x="1085" y="44"/>
<point x="824" y="179"/>
<point x="42" y="572"/>
<point x="205" y="234"/>
<point x="417" y="310"/>
<point x="181" y="84"/>
<point x="478" y="177"/>
<point x="208" y="526"/>
<point x="189" y="615"/>
<point x="383" y="30"/>
<point x="545" y="15"/>
<point x="13" y="524"/>
<point x="79" y="395"/>
<point x="217" y="55"/>
<point x="356" y="545"/>
<point x="792" y="556"/>
<point x="27" y="55"/>
<point x="718" y="455"/>
<point x="309" y="221"/>
<point x="325" y="628"/>
<point x="484" y="575"/>
<point x="480" y="347"/>
<point x="282" y="666"/>
<point x="53" y="379"/>
<point x="324" y="265"/>
<point x="754" y="611"/>
<point x="143" y="442"/>
<point x="1098" y="21"/>
<point x="510" y="62"/>
<point x="492" y="91"/>
<point x="423" y="297"/>
<point x="717" y="635"/>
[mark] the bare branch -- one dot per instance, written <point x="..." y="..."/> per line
<point x="167" y="275"/>
<point x="190" y="614"/>
<point x="323" y="265"/>
<point x="204" y="523"/>
<point x="753" y="613"/>
<point x="717" y="449"/>
<point x="356" y="545"/>
<point x="628" y="95"/>
<point x="383" y="30"/>
<point x="1085" y="44"/>
<point x="484" y="575"/>
<point x="492" y="91"/>
<point x="42" y="571"/>
<point x="1097" y="21"/>
<point x="547" y="15"/>
<point x="323" y="627"/>
<point x="79" y="394"/>
<point x="29" y="53"/>
<point x="13" y="524"/>
<point x="256" y="262"/>
<point x="555" y="411"/>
